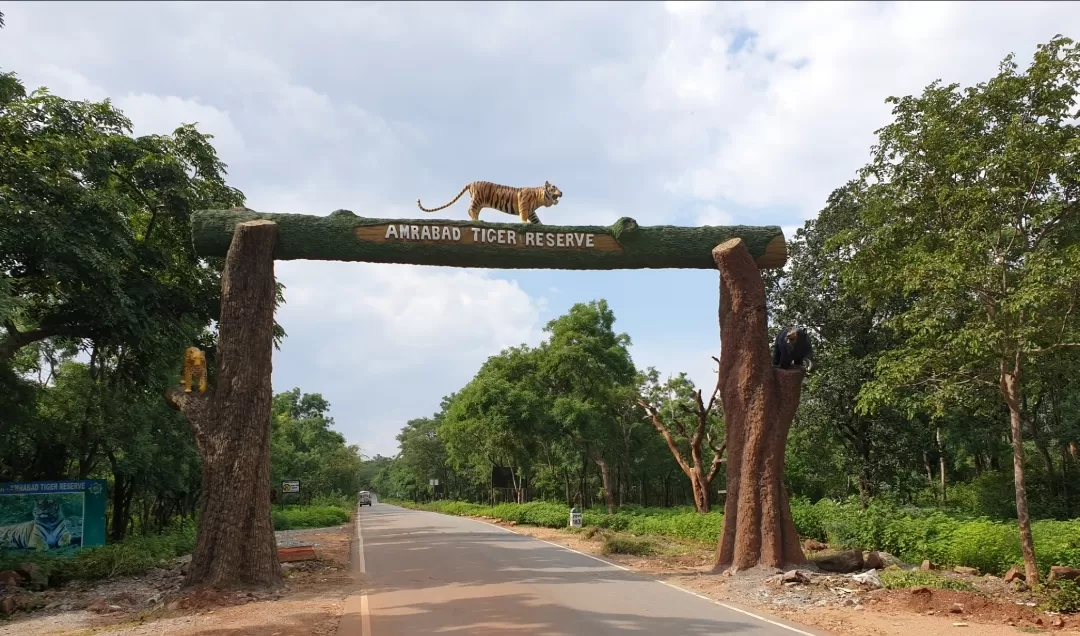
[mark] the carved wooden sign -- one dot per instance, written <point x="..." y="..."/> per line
<point x="438" y="234"/>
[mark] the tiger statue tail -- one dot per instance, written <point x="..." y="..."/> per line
<point x="443" y="207"/>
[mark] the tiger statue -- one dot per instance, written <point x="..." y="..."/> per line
<point x="522" y="202"/>
<point x="48" y="529"/>
<point x="194" y="365"/>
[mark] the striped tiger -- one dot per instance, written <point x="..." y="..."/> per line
<point x="48" y="529"/>
<point x="522" y="202"/>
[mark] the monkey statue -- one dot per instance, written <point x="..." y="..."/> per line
<point x="792" y="346"/>
<point x="194" y="364"/>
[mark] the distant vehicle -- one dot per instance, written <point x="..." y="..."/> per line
<point x="365" y="498"/>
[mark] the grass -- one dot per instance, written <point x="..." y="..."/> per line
<point x="137" y="554"/>
<point x="628" y="545"/>
<point x="899" y="579"/>
<point x="912" y="534"/>
<point x="325" y="516"/>
<point x="133" y="555"/>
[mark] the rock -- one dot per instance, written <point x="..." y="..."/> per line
<point x="956" y="608"/>
<point x="1064" y="573"/>
<point x="173" y="606"/>
<point x="1039" y="620"/>
<point x="966" y="571"/>
<point x="920" y="590"/>
<point x="1014" y="575"/>
<point x="848" y="602"/>
<point x="842" y="562"/>
<point x="926" y="567"/>
<point x="795" y="576"/>
<point x="98" y="605"/>
<point x="10" y="578"/>
<point x="7" y="606"/>
<point x="873" y="561"/>
<point x="1057" y="622"/>
<point x="813" y="545"/>
<point x="869" y="578"/>
<point x="28" y="570"/>
<point x="1019" y="586"/>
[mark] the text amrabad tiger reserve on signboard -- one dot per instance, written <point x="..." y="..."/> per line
<point x="52" y="515"/>
<point x="435" y="234"/>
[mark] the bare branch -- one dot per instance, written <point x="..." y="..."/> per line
<point x="663" y="430"/>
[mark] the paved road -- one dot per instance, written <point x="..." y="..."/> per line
<point x="428" y="573"/>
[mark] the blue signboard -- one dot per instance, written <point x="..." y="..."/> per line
<point x="52" y="515"/>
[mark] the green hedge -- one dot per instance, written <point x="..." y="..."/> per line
<point x="912" y="534"/>
<point x="310" y="517"/>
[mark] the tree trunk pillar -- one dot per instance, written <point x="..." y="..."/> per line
<point x="759" y="404"/>
<point x="231" y="424"/>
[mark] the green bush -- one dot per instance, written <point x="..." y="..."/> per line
<point x="133" y="555"/>
<point x="1059" y="596"/>
<point x="907" y="532"/>
<point x="899" y="579"/>
<point x="310" y="517"/>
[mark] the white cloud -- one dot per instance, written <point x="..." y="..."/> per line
<point x="794" y="108"/>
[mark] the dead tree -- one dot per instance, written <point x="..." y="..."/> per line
<point x="231" y="424"/>
<point x="694" y="467"/>
<point x="759" y="404"/>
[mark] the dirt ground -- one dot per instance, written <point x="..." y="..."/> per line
<point x="310" y="604"/>
<point x="832" y="602"/>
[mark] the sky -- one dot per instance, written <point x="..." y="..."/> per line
<point x="671" y="113"/>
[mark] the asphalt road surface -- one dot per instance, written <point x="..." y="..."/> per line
<point x="426" y="573"/>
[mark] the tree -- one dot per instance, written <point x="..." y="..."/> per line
<point x="759" y="404"/>
<point x="582" y="366"/>
<point x="492" y="421"/>
<point x="971" y="213"/>
<point x="849" y="338"/>
<point x="231" y="424"/>
<point x="96" y="240"/>
<point x="686" y="448"/>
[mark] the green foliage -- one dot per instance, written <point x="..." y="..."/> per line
<point x="129" y="557"/>
<point x="304" y="446"/>
<point x="1059" y="596"/>
<point x="911" y="534"/>
<point x="294" y="517"/>
<point x="900" y="579"/>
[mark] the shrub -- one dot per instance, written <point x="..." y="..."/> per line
<point x="910" y="533"/>
<point x="133" y="555"/>
<point x="898" y="579"/>
<point x="310" y="517"/>
<point x="627" y="545"/>
<point x="1059" y="596"/>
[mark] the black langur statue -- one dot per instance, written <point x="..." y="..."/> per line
<point x="792" y="346"/>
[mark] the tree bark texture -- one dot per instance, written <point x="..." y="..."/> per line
<point x="1010" y="389"/>
<point x="344" y="236"/>
<point x="759" y="403"/>
<point x="231" y="424"/>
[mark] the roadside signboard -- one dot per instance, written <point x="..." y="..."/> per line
<point x="292" y="485"/>
<point x="58" y="516"/>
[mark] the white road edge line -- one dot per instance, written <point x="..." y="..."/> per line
<point x="671" y="585"/>
<point x="365" y="614"/>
